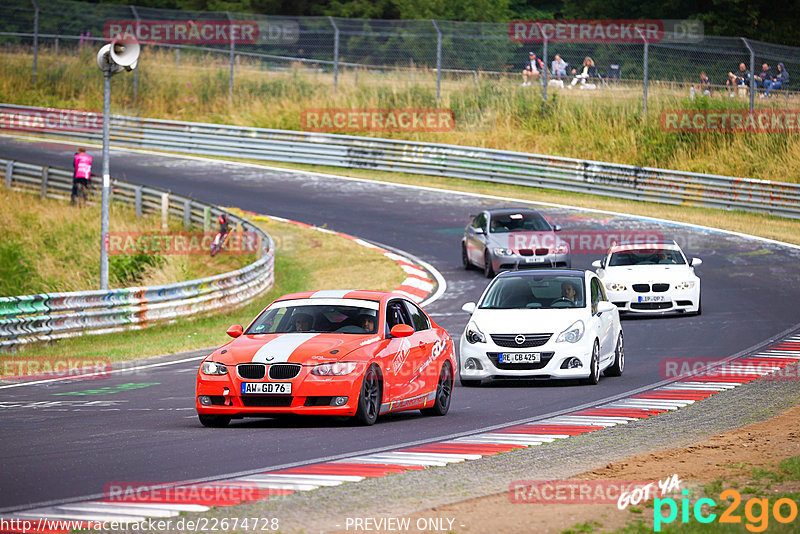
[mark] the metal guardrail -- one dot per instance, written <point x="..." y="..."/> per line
<point x="472" y="163"/>
<point x="51" y="316"/>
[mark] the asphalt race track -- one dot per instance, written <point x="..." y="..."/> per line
<point x="58" y="446"/>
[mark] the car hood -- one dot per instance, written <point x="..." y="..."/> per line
<point x="525" y="240"/>
<point x="527" y="321"/>
<point x="648" y="273"/>
<point x="299" y="348"/>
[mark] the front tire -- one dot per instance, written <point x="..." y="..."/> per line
<point x="488" y="270"/>
<point x="444" y="392"/>
<point x="214" y="421"/>
<point x="369" y="401"/>
<point x="619" y="359"/>
<point x="594" y="365"/>
<point x="465" y="258"/>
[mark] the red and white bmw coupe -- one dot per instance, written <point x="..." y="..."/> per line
<point x="336" y="352"/>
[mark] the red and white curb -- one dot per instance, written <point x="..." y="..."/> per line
<point x="417" y="286"/>
<point x="673" y="396"/>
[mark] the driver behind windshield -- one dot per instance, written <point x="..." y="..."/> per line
<point x="569" y="292"/>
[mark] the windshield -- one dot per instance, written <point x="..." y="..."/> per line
<point x="650" y="256"/>
<point x="313" y="317"/>
<point x="548" y="291"/>
<point x="518" y="222"/>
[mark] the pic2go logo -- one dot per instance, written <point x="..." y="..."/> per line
<point x="756" y="511"/>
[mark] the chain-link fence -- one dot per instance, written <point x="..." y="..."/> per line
<point x="442" y="49"/>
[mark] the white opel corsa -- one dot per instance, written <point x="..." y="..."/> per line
<point x="651" y="278"/>
<point x="547" y="324"/>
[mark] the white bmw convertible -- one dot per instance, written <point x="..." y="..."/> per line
<point x="652" y="278"/>
<point x="552" y="323"/>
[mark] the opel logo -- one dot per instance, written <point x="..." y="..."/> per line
<point x="520" y="339"/>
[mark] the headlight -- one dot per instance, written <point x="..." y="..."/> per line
<point x="615" y="286"/>
<point x="504" y="252"/>
<point x="474" y="335"/>
<point x="334" y="369"/>
<point x="685" y="285"/>
<point x="573" y="334"/>
<point x="213" y="368"/>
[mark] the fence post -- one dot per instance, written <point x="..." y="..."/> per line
<point x="55" y="52"/>
<point x="136" y="69"/>
<point x="356" y="69"/>
<point x="644" y="81"/>
<point x="438" y="61"/>
<point x="187" y="214"/>
<point x="9" y="173"/>
<point x="164" y="211"/>
<point x="207" y="219"/>
<point x="35" y="38"/>
<point x="545" y="72"/>
<point x="177" y="56"/>
<point x="335" y="54"/>
<point x="233" y="51"/>
<point x="137" y="200"/>
<point x="752" y="70"/>
<point x="45" y="176"/>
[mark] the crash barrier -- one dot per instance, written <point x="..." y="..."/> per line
<point x="50" y="316"/>
<point x="472" y="163"/>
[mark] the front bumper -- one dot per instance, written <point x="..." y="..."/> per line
<point x="673" y="301"/>
<point x="553" y="356"/>
<point x="517" y="262"/>
<point x="311" y="394"/>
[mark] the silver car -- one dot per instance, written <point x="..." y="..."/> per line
<point x="512" y="239"/>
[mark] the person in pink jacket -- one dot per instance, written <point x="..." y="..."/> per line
<point x="82" y="166"/>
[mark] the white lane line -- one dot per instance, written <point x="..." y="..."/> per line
<point x="179" y="507"/>
<point x="56" y="513"/>
<point x="104" y="373"/>
<point x="311" y="479"/>
<point x="108" y="508"/>
<point x="369" y="459"/>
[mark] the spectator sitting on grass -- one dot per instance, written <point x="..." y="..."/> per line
<point x="777" y="81"/>
<point x="763" y="76"/>
<point x="587" y="71"/>
<point x="742" y="77"/>
<point x="558" y="67"/>
<point x="532" y="68"/>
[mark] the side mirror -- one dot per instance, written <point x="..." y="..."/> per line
<point x="235" y="330"/>
<point x="597" y="264"/>
<point x="694" y="262"/>
<point x="480" y="231"/>
<point x="469" y="307"/>
<point x="556" y="227"/>
<point x="605" y="306"/>
<point x="401" y="330"/>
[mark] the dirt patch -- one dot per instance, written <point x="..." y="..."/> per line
<point x="745" y="458"/>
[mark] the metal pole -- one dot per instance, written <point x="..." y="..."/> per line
<point x="136" y="70"/>
<point x="35" y="38"/>
<point x="545" y="72"/>
<point x="752" y="70"/>
<point x="438" y="61"/>
<point x="644" y="81"/>
<point x="106" y="180"/>
<point x="233" y="49"/>
<point x="335" y="55"/>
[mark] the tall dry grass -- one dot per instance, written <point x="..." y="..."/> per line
<point x="605" y="124"/>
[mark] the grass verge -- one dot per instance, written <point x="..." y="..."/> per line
<point x="305" y="259"/>
<point x="52" y="246"/>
